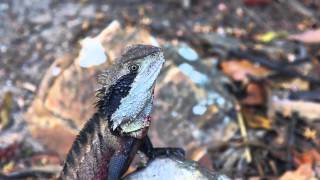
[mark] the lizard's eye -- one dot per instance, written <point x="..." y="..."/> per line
<point x="133" y="67"/>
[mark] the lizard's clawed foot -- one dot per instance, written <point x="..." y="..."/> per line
<point x="177" y="152"/>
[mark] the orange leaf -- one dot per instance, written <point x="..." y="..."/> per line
<point x="240" y="69"/>
<point x="255" y="95"/>
<point x="311" y="36"/>
<point x="304" y="172"/>
<point x="308" y="157"/>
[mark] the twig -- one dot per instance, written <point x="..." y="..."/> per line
<point x="291" y="140"/>
<point x="244" y="134"/>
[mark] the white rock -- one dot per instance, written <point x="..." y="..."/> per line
<point x="92" y="53"/>
<point x="193" y="74"/>
<point x="187" y="53"/>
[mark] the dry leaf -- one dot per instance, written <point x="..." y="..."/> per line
<point x="308" y="157"/>
<point x="240" y="69"/>
<point x="269" y="36"/>
<point x="295" y="85"/>
<point x="304" y="172"/>
<point x="255" y="95"/>
<point x="308" y="110"/>
<point x="310" y="133"/>
<point x="310" y="36"/>
<point x="198" y="153"/>
<point x="256" y="121"/>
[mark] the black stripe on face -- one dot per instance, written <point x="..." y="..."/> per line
<point x="111" y="101"/>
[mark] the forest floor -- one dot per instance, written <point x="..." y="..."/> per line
<point x="268" y="50"/>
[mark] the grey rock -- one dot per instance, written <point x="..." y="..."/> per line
<point x="218" y="40"/>
<point x="41" y="19"/>
<point x="187" y="53"/>
<point x="174" y="169"/>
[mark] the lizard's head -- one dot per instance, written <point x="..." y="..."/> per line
<point x="126" y="95"/>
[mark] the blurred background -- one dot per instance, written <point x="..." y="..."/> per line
<point x="239" y="91"/>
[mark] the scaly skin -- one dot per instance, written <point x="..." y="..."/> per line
<point x="108" y="142"/>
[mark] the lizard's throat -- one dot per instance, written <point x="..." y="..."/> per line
<point x="135" y="108"/>
<point x="138" y="127"/>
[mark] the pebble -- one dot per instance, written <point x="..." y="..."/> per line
<point x="187" y="53"/>
<point x="194" y="75"/>
<point x="56" y="71"/>
<point x="92" y="53"/>
<point x="199" y="109"/>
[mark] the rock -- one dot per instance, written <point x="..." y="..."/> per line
<point x="220" y="44"/>
<point x="41" y="19"/>
<point x="187" y="53"/>
<point x="65" y="100"/>
<point x="172" y="168"/>
<point x="191" y="108"/>
<point x="92" y="53"/>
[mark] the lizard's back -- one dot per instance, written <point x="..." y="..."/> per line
<point x="92" y="152"/>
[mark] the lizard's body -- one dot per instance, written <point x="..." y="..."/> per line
<point x="92" y="151"/>
<point x="108" y="142"/>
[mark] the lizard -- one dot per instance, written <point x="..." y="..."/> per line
<point x="106" y="145"/>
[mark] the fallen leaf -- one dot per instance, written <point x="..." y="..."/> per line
<point x="295" y="85"/>
<point x="240" y="69"/>
<point x="256" y="121"/>
<point x="198" y="153"/>
<point x="269" y="36"/>
<point x="308" y="110"/>
<point x="309" y="157"/>
<point x="304" y="172"/>
<point x="255" y="95"/>
<point x="310" y="36"/>
<point x="9" y="167"/>
<point x="310" y="133"/>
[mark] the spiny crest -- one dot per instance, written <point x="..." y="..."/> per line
<point x="81" y="140"/>
<point x="138" y="51"/>
<point x="109" y="99"/>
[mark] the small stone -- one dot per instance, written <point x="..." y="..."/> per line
<point x="187" y="53"/>
<point x="41" y="19"/>
<point x="194" y="75"/>
<point x="92" y="53"/>
<point x="172" y="168"/>
<point x="199" y="109"/>
<point x="56" y="71"/>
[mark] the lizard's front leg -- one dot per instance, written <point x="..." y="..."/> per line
<point x="148" y="149"/>
<point x="121" y="159"/>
